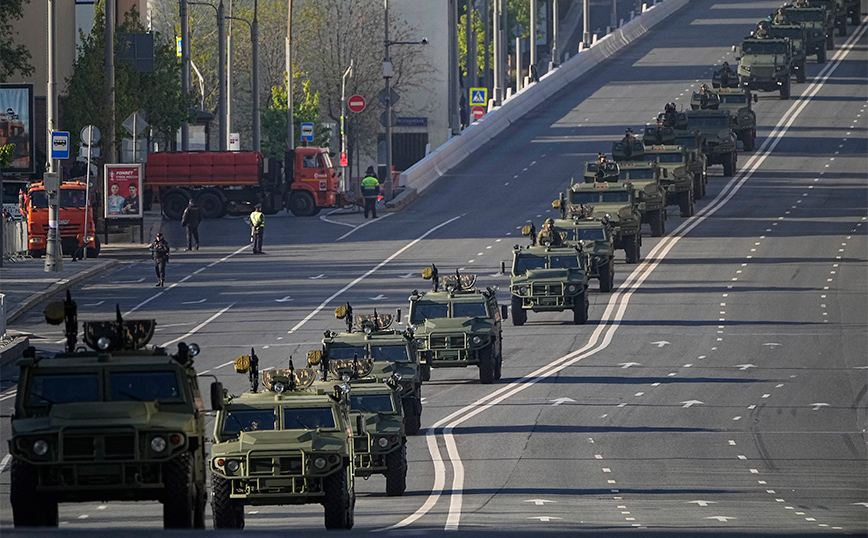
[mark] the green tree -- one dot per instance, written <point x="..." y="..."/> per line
<point x="305" y="107"/>
<point x="13" y="58"/>
<point x="7" y="155"/>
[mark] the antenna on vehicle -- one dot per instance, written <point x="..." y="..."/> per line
<point x="292" y="382"/>
<point x="253" y="373"/>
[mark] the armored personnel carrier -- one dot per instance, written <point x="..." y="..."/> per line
<point x="548" y="278"/>
<point x="459" y="325"/>
<point x="290" y="443"/>
<point x="817" y="29"/>
<point x="764" y="63"/>
<point x="836" y="11"/>
<point x="684" y="174"/>
<point x="646" y="178"/>
<point x="394" y="353"/>
<point x="112" y="421"/>
<point x="739" y="102"/>
<point x="718" y="138"/>
<point x="594" y="236"/>
<point x="798" y="36"/>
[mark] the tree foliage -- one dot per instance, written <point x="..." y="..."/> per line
<point x="7" y="155"/>
<point x="13" y="58"/>
<point x="274" y="119"/>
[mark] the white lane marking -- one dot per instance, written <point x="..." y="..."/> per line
<point x="325" y="218"/>
<point x="360" y="226"/>
<point x="369" y="273"/>
<point x="5" y="462"/>
<point x="196" y="328"/>
<point x="8" y="395"/>
<point x="200" y="301"/>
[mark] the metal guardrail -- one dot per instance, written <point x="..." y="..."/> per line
<point x="14" y="239"/>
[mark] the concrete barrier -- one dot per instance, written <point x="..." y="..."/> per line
<point x="424" y="173"/>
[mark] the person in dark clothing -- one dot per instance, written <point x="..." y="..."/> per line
<point x="160" y="254"/>
<point x="370" y="190"/>
<point x="190" y="220"/>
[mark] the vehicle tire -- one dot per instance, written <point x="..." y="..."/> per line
<point x="821" y="55"/>
<point x="854" y="18"/>
<point x="412" y="418"/>
<point x="658" y="224"/>
<point x="29" y="508"/>
<point x="749" y="141"/>
<point x="226" y="512"/>
<point x="211" y="205"/>
<point x="199" y="508"/>
<point x="631" y="248"/>
<point x="396" y="472"/>
<point x="338" y="501"/>
<point x="842" y="28"/>
<point x="519" y="314"/>
<point x="498" y="366"/>
<point x="685" y="202"/>
<point x="425" y="371"/>
<point x="801" y="73"/>
<point x="301" y="204"/>
<point x="728" y="169"/>
<point x="93" y="252"/>
<point x="174" y="203"/>
<point x="179" y="495"/>
<point x="607" y="276"/>
<point x="785" y="89"/>
<point x="830" y="41"/>
<point x="580" y="310"/>
<point x="486" y="365"/>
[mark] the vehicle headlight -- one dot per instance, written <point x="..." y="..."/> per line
<point x="476" y="340"/>
<point x="319" y="463"/>
<point x="40" y="447"/>
<point x="408" y="386"/>
<point x="158" y="444"/>
<point x="104" y="343"/>
<point x="383" y="442"/>
<point x="397" y="375"/>
<point x="571" y="288"/>
<point x="278" y="387"/>
<point x="522" y="290"/>
<point x="232" y="466"/>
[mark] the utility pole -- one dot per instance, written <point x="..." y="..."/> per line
<point x="586" y="14"/>
<point x="221" y="95"/>
<point x="531" y="41"/>
<point x="556" y="61"/>
<point x="497" y="91"/>
<point x="290" y="122"/>
<point x="344" y="176"/>
<point x="229" y="72"/>
<point x="387" y="76"/>
<point x="613" y="20"/>
<point x="454" y="69"/>
<point x="470" y="36"/>
<point x="486" y="24"/>
<point x="53" y="253"/>
<point x="185" y="69"/>
<point x="254" y="31"/>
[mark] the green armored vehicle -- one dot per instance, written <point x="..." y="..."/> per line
<point x="815" y="22"/>
<point x="836" y="11"/>
<point x="112" y="421"/>
<point x="458" y="325"/>
<point x="853" y="10"/>
<point x="798" y="36"/>
<point x="288" y="444"/>
<point x="548" y="277"/>
<point x="601" y="170"/>
<point x="739" y="102"/>
<point x="719" y="140"/>
<point x="765" y="62"/>
<point x="395" y="353"/>
<point x="594" y="236"/>
<point x="646" y="178"/>
<point x="684" y="174"/>
<point x="615" y="200"/>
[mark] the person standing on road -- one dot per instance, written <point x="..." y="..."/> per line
<point x="190" y="220"/>
<point x="257" y="228"/>
<point x="160" y="254"/>
<point x="370" y="190"/>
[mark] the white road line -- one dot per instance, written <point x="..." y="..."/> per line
<point x="633" y="281"/>
<point x="8" y="395"/>
<point x="196" y="329"/>
<point x="5" y="462"/>
<point x="369" y="273"/>
<point x="360" y="226"/>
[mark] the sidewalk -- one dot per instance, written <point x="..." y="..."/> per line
<point x="26" y="285"/>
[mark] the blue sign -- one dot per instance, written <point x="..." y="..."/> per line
<point x="179" y="51"/>
<point x="307" y="132"/>
<point x="59" y="145"/>
<point x="478" y="96"/>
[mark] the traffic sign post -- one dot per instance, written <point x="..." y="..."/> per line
<point x="307" y="132"/>
<point x="60" y="145"/>
<point x="356" y="103"/>
<point x="478" y="96"/>
<point x="477" y="112"/>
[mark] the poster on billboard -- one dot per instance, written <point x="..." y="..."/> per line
<point x="16" y="125"/>
<point x="123" y="183"/>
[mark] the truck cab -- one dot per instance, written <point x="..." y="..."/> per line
<point x="312" y="179"/>
<point x="71" y="220"/>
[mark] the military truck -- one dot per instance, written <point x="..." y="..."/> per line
<point x="615" y="200"/>
<point x="836" y="11"/>
<point x="738" y="102"/>
<point x="646" y="178"/>
<point x="798" y="36"/>
<point x="819" y="36"/>
<point x="682" y="161"/>
<point x="393" y="352"/>
<point x="111" y="421"/>
<point x="853" y="10"/>
<point x="376" y="415"/>
<point x="594" y="236"/>
<point x="548" y="278"/>
<point x="718" y="138"/>
<point x="765" y="63"/>
<point x="290" y="443"/>
<point x="459" y="325"/>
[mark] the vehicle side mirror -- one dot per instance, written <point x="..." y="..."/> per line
<point x="504" y="311"/>
<point x="755" y="98"/>
<point x="398" y="316"/>
<point x="217" y="396"/>
<point x="502" y="268"/>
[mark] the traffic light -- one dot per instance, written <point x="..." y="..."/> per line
<point x="344" y="161"/>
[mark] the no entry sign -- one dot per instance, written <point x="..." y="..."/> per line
<point x="356" y="103"/>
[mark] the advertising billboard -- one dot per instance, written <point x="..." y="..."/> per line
<point x="16" y="125"/>
<point x="122" y="191"/>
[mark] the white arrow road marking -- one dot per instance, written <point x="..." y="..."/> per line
<point x="316" y="277"/>
<point x="626" y="365"/>
<point x="539" y="502"/>
<point x="379" y="297"/>
<point x="544" y="518"/>
<point x="772" y="344"/>
<point x="94" y="304"/>
<point x="196" y="329"/>
<point x="818" y="405"/>
<point x="408" y="275"/>
<point x="5" y="462"/>
<point x="702" y="503"/>
<point x="723" y="519"/>
<point x="285" y="299"/>
<point x="745" y="366"/>
<point x="661" y="343"/>
<point x="560" y="401"/>
<point x="128" y="281"/>
<point x="854" y="504"/>
<point x="690" y="403"/>
<point x="200" y="301"/>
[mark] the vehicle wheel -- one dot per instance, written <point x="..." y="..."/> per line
<point x="29" y="508"/>
<point x="658" y="224"/>
<point x="425" y="370"/>
<point x="631" y="248"/>
<point x="179" y="496"/>
<point x="800" y="74"/>
<point x="727" y="171"/>
<point x="821" y="55"/>
<point x="174" y="203"/>
<point x="486" y="365"/>
<point x="519" y="315"/>
<point x="210" y="205"/>
<point x="93" y="252"/>
<point x="301" y="204"/>
<point x="842" y="28"/>
<point x="337" y="502"/>
<point x="396" y="472"/>
<point x="412" y="418"/>
<point x="785" y="89"/>
<point x="748" y="141"/>
<point x="607" y="276"/>
<point x="685" y="202"/>
<point x="199" y="508"/>
<point x="227" y="513"/>
<point x="830" y="42"/>
<point x="580" y="310"/>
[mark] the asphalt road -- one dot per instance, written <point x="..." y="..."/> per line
<point x="720" y="387"/>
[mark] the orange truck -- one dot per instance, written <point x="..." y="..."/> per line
<point x="234" y="181"/>
<point x="71" y="220"/>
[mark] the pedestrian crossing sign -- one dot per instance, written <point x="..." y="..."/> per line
<point x="478" y="96"/>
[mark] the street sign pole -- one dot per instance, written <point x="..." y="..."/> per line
<point x="53" y="254"/>
<point x="344" y="177"/>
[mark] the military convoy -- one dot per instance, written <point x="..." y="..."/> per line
<point x="594" y="236"/>
<point x="646" y="177"/>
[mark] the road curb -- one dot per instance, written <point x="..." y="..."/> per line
<point x="60" y="285"/>
<point x="14" y="350"/>
<point x="402" y="200"/>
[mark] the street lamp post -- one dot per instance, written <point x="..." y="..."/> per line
<point x="344" y="176"/>
<point x="290" y="122"/>
<point x="221" y="70"/>
<point x="255" y="84"/>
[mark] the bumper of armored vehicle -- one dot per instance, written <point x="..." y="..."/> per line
<point x="767" y="78"/>
<point x="449" y="349"/>
<point x="548" y="296"/>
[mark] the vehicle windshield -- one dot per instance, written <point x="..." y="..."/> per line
<point x="665" y="157"/>
<point x="590" y="234"/>
<point x="792" y="33"/>
<point x="686" y="141"/>
<point x="708" y="123"/>
<point x="390" y="353"/>
<point x="63" y="388"/>
<point x="761" y="47"/>
<point x="638" y="174"/>
<point x="738" y="99"/>
<point x="609" y="197"/>
<point x="469" y="310"/>
<point x="68" y="198"/>
<point x="347" y="352"/>
<point x="429" y="310"/>
<point x="527" y="262"/>
<point x="308" y="418"/>
<point x="563" y="262"/>
<point x="143" y="386"/>
<point x="372" y="403"/>
<point x="804" y="15"/>
<point x="247" y="420"/>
